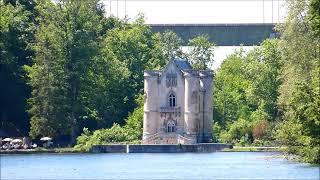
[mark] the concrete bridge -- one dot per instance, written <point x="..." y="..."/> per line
<point x="222" y="34"/>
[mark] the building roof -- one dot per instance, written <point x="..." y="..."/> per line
<point x="182" y="64"/>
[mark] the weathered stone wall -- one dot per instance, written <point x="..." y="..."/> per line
<point x="191" y="114"/>
<point x="112" y="148"/>
<point x="163" y="97"/>
<point x="150" y="118"/>
<point x="160" y="148"/>
<point x="206" y="83"/>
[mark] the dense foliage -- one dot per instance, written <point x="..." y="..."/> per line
<point x="17" y="27"/>
<point x="66" y="47"/>
<point x="131" y="132"/>
<point x="201" y="52"/>
<point x="171" y="44"/>
<point x="299" y="97"/>
<point x="271" y="95"/>
<point x="245" y="93"/>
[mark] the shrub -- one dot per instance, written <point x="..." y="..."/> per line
<point x="239" y="131"/>
<point x="114" y="135"/>
<point x="130" y="133"/>
<point x="259" y="130"/>
<point x="216" y="129"/>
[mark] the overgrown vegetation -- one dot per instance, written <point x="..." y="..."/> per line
<point x="245" y="95"/>
<point x="271" y="95"/>
<point x="131" y="132"/>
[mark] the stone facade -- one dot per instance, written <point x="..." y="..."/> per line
<point x="177" y="105"/>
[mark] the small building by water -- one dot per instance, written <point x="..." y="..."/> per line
<point x="177" y="105"/>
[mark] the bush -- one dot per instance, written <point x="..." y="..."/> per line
<point x="130" y="133"/>
<point x="114" y="135"/>
<point x="238" y="132"/>
<point x="216" y="129"/>
<point x="259" y="130"/>
<point x="296" y="140"/>
<point x="134" y="122"/>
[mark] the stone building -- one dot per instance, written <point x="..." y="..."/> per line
<point x="177" y="105"/>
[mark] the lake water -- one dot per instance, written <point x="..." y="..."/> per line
<point x="219" y="165"/>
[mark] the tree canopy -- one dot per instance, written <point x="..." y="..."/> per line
<point x="270" y="95"/>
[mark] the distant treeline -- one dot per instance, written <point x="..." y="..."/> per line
<point x="66" y="69"/>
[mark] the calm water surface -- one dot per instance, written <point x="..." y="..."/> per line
<point x="220" y="165"/>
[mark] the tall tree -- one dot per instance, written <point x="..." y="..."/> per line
<point x="138" y="49"/>
<point x="201" y="52"/>
<point x="299" y="93"/>
<point x="171" y="45"/>
<point x="17" y="25"/>
<point x="66" y="44"/>
<point x="48" y="103"/>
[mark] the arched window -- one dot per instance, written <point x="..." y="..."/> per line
<point x="171" y="126"/>
<point x="172" y="100"/>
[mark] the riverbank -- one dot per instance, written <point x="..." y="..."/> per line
<point x="252" y="149"/>
<point x="40" y="150"/>
<point x="73" y="150"/>
<point x="161" y="148"/>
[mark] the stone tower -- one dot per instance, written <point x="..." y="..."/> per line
<point x="177" y="105"/>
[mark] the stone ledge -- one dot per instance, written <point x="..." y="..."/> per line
<point x="161" y="148"/>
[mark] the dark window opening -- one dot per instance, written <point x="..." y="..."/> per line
<point x="172" y="100"/>
<point x="171" y="127"/>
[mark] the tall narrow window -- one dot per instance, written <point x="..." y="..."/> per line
<point x="171" y="126"/>
<point x="172" y="100"/>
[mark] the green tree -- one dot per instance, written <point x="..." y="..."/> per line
<point x="263" y="69"/>
<point x="299" y="93"/>
<point x="201" y="52"/>
<point x="229" y="92"/>
<point x="246" y="91"/>
<point x="66" y="44"/>
<point x="314" y="17"/>
<point x="17" y="25"/>
<point x="134" y="122"/>
<point x="48" y="101"/>
<point x="138" y="49"/>
<point x="131" y="132"/>
<point x="171" y="45"/>
<point x="102" y="98"/>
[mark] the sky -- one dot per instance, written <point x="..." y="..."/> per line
<point x="200" y="12"/>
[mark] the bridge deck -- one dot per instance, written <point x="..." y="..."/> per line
<point x="221" y="34"/>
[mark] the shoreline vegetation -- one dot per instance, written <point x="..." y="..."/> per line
<point x="253" y="149"/>
<point x="80" y="82"/>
